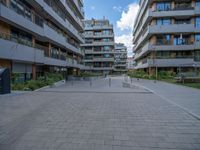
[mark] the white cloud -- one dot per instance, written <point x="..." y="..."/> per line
<point x="93" y="7"/>
<point x="128" y="17"/>
<point x="117" y="8"/>
<point x="126" y="39"/>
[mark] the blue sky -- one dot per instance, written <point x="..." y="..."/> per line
<point x="121" y="14"/>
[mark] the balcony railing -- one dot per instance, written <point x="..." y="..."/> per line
<point x="25" y="11"/>
<point x="20" y="40"/>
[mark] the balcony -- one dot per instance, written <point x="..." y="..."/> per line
<point x="156" y="14"/>
<point x="98" y="52"/>
<point x="103" y="59"/>
<point x="177" y="62"/>
<point x="99" y="36"/>
<point x="20" y="50"/>
<point x="168" y="29"/>
<point x="173" y="28"/>
<point x="100" y="60"/>
<point x="103" y="27"/>
<point x="98" y="68"/>
<point x="19" y="20"/>
<point x="76" y="19"/>
<point x="65" y="24"/>
<point x="58" y="38"/>
<point x="54" y="62"/>
<point x="99" y="44"/>
<point x="149" y="47"/>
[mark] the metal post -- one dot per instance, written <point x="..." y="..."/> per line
<point x="131" y="80"/>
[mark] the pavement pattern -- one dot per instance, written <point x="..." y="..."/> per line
<point x="79" y="115"/>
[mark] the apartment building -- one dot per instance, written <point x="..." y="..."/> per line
<point x="99" y="47"/>
<point x="38" y="36"/>
<point x="120" y="64"/>
<point x="130" y="63"/>
<point x="167" y="35"/>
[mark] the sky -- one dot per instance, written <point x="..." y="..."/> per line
<point x="120" y="13"/>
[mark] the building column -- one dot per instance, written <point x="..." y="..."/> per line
<point x="34" y="76"/>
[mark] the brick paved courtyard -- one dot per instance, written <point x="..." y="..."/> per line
<point x="76" y="116"/>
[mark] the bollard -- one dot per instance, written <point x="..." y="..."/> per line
<point x="109" y="82"/>
<point x="131" y="80"/>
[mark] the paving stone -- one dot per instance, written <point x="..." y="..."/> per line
<point x="99" y="118"/>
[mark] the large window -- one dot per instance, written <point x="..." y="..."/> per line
<point x="106" y="32"/>
<point x="198" y="3"/>
<point x="107" y="56"/>
<point x="107" y="48"/>
<point x="181" y="40"/>
<point x="182" y="21"/>
<point x="163" y="6"/>
<point x="163" y="22"/>
<point x="197" y="37"/>
<point x="163" y="39"/>
<point x="106" y="40"/>
<point x="21" y="37"/>
<point x="197" y="55"/>
<point x="198" y="22"/>
<point x="54" y="52"/>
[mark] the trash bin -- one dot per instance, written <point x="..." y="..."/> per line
<point x="5" y="86"/>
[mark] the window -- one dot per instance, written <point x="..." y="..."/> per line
<point x="198" y="22"/>
<point x="184" y="40"/>
<point x="106" y="48"/>
<point x="163" y="21"/>
<point x="197" y="55"/>
<point x="163" y="39"/>
<point x="21" y="37"/>
<point x="54" y="52"/>
<point x="197" y="37"/>
<point x="106" y="40"/>
<point x="161" y="54"/>
<point x="198" y="3"/>
<point x="163" y="6"/>
<point x="106" y="32"/>
<point x="106" y="55"/>
<point x="182" y="21"/>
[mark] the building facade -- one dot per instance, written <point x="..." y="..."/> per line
<point x="99" y="46"/>
<point x="38" y="36"/>
<point x="120" y="64"/>
<point x="130" y="63"/>
<point x="167" y="35"/>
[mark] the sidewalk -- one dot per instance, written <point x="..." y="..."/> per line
<point x="100" y="117"/>
<point x="185" y="97"/>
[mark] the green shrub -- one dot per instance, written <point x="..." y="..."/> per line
<point x="165" y="74"/>
<point x="31" y="85"/>
<point x="142" y="74"/>
<point x="88" y="74"/>
<point x="18" y="86"/>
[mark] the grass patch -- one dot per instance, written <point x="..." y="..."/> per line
<point x="165" y="76"/>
